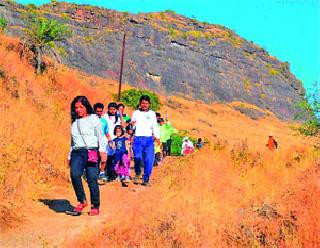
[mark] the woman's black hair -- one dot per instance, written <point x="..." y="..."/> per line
<point x="144" y="98"/>
<point x="118" y="127"/>
<point x="85" y="102"/>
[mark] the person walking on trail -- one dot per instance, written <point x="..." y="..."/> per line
<point x="98" y="109"/>
<point x="167" y="132"/>
<point x="146" y="132"/>
<point x="187" y="146"/>
<point x="113" y="119"/>
<point x="199" y="144"/>
<point x="121" y="162"/>
<point x="86" y="142"/>
<point x="272" y="143"/>
<point x="164" y="136"/>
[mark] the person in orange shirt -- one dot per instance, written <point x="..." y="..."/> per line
<point x="272" y="143"/>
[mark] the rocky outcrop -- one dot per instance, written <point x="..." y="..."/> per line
<point x="171" y="54"/>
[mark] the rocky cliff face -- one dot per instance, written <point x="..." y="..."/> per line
<point x="171" y="54"/>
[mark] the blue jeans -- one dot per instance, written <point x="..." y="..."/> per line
<point x="78" y="164"/>
<point x="143" y="146"/>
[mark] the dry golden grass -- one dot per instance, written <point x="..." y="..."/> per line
<point x="232" y="193"/>
<point x="34" y="127"/>
<point x="212" y="200"/>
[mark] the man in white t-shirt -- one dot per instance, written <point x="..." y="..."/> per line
<point x="146" y="131"/>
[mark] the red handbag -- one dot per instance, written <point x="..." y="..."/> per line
<point x="93" y="156"/>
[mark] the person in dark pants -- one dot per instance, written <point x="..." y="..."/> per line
<point x="87" y="143"/>
<point x="113" y="119"/>
<point x="98" y="109"/>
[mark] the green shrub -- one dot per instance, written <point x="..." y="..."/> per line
<point x="3" y="24"/>
<point x="41" y="32"/>
<point x="176" y="144"/>
<point x="310" y="128"/>
<point x="131" y="98"/>
<point x="309" y="111"/>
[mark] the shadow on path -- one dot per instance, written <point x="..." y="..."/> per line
<point x="57" y="205"/>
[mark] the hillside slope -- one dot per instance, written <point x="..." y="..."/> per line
<point x="248" y="195"/>
<point x="171" y="54"/>
<point x="232" y="193"/>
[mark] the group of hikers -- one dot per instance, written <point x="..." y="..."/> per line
<point x="103" y="144"/>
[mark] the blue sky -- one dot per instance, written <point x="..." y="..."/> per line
<point x="287" y="29"/>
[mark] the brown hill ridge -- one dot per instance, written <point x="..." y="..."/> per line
<point x="171" y="54"/>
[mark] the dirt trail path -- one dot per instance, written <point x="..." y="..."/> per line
<point x="47" y="225"/>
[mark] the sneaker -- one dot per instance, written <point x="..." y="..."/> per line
<point x="136" y="179"/>
<point x="80" y="207"/>
<point x="145" y="183"/>
<point x="127" y="179"/>
<point x="94" y="211"/>
<point x="103" y="177"/>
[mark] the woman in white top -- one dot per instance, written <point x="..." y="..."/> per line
<point x="87" y="143"/>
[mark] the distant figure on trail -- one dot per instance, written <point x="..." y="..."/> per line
<point x="199" y="143"/>
<point x="86" y="141"/>
<point x="163" y="137"/>
<point x="168" y="131"/>
<point x="272" y="143"/>
<point x="187" y="146"/>
<point x="146" y="130"/>
<point x="98" y="109"/>
<point x="121" y="162"/>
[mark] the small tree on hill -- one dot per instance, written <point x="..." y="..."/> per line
<point x="3" y="24"/>
<point x="131" y="98"/>
<point x="42" y="33"/>
<point x="309" y="110"/>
